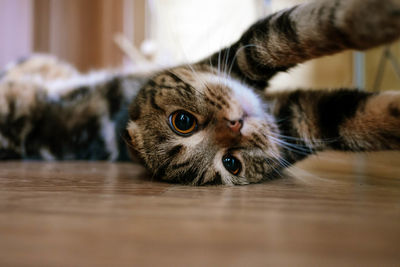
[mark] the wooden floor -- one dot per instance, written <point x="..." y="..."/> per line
<point x="334" y="210"/>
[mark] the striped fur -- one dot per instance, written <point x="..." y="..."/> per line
<point x="307" y="31"/>
<point x="278" y="129"/>
<point x="50" y="111"/>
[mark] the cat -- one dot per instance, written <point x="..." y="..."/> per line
<point x="48" y="110"/>
<point x="212" y="122"/>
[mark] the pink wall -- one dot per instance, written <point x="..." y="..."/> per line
<point x="15" y="29"/>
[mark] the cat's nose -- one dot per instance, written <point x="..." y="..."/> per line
<point x="227" y="132"/>
<point x="235" y="125"/>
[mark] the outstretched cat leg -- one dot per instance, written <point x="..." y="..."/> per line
<point x="346" y="120"/>
<point x="295" y="35"/>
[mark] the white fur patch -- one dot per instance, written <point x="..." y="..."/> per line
<point x="46" y="154"/>
<point x="3" y="141"/>
<point x="249" y="101"/>
<point x="59" y="87"/>
<point x="108" y="134"/>
<point x="194" y="140"/>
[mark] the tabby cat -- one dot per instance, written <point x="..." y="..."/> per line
<point x="210" y="122"/>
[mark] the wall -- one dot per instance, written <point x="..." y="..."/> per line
<point x="81" y="32"/>
<point x="15" y="32"/>
<point x="189" y="30"/>
<point x="78" y="31"/>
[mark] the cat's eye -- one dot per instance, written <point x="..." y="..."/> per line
<point x="182" y="123"/>
<point x="232" y="164"/>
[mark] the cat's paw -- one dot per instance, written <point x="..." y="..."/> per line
<point x="370" y="22"/>
<point x="375" y="125"/>
<point x="385" y="103"/>
<point x="384" y="109"/>
<point x="393" y="107"/>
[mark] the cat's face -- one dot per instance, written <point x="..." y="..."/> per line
<point x="199" y="128"/>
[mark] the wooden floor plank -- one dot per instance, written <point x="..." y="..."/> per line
<point x="335" y="209"/>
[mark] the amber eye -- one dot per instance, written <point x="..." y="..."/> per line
<point x="232" y="164"/>
<point x="182" y="123"/>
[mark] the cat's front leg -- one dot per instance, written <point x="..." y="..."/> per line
<point x="347" y="120"/>
<point x="310" y="30"/>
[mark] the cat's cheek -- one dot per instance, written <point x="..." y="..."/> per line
<point x="135" y="144"/>
<point x="382" y="109"/>
<point x="191" y="142"/>
<point x="251" y="125"/>
<point x="134" y="134"/>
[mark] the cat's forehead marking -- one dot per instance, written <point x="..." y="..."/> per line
<point x="184" y="75"/>
<point x="248" y="100"/>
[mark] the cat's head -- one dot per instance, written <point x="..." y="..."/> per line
<point x="195" y="127"/>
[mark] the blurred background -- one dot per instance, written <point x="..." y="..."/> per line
<point x="167" y="32"/>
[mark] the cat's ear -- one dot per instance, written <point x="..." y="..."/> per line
<point x="307" y="31"/>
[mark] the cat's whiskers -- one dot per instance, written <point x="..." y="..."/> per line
<point x="284" y="166"/>
<point x="223" y="64"/>
<point x="217" y="71"/>
<point x="302" y="150"/>
<point x="235" y="56"/>
<point x="280" y="160"/>
<point x="276" y="159"/>
<point x="219" y="63"/>
<point x="288" y="167"/>
<point x="315" y="143"/>
<point x="292" y="169"/>
<point x="225" y="73"/>
<point x="198" y="77"/>
<point x="295" y="171"/>
<point x="224" y="70"/>
<point x="315" y="140"/>
<point x="213" y="69"/>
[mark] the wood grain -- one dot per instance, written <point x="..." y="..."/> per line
<point x="332" y="210"/>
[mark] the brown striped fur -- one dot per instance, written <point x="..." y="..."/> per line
<point x="240" y="134"/>
<point x="276" y="129"/>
